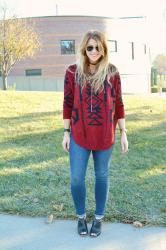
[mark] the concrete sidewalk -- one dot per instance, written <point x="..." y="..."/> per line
<point x="26" y="233"/>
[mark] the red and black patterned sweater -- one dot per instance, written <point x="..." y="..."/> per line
<point x="93" y="117"/>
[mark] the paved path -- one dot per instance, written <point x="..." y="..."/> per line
<point x="26" y="233"/>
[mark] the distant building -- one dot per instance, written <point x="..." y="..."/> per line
<point x="60" y="36"/>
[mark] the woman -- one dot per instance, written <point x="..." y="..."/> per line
<point x="92" y="108"/>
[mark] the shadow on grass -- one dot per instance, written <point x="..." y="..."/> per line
<point x="138" y="179"/>
<point x="136" y="194"/>
<point x="40" y="147"/>
<point x="141" y="116"/>
<point x="30" y="117"/>
<point x="47" y="146"/>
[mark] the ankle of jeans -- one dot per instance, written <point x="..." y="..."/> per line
<point x="99" y="217"/>
<point x="81" y="216"/>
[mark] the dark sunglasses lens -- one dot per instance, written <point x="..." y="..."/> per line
<point x="90" y="48"/>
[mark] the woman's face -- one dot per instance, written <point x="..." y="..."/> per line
<point x="92" y="51"/>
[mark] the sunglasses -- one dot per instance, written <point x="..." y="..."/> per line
<point x="90" y="48"/>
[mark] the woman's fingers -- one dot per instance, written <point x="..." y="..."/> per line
<point x="125" y="148"/>
<point x="124" y="144"/>
<point x="66" y="144"/>
<point x="122" y="147"/>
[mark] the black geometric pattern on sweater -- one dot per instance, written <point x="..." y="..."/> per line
<point x="113" y="92"/>
<point x="68" y="101"/>
<point x="111" y="115"/>
<point x="75" y="115"/>
<point x="121" y="101"/>
<point x="113" y="95"/>
<point x="94" y="116"/>
<point x="66" y="81"/>
<point x="113" y="108"/>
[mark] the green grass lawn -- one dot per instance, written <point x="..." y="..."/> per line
<point x="34" y="169"/>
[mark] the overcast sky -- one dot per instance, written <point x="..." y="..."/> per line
<point x="153" y="9"/>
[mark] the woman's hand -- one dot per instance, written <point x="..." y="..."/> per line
<point x="66" y="141"/>
<point x="124" y="142"/>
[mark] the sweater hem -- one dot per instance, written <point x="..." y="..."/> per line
<point x="98" y="148"/>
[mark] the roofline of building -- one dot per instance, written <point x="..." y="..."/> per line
<point x="115" y="18"/>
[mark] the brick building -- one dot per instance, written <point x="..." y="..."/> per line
<point x="60" y="36"/>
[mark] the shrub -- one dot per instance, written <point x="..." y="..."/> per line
<point x="154" y="89"/>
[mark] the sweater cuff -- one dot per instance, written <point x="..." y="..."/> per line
<point x="67" y="114"/>
<point x="120" y="115"/>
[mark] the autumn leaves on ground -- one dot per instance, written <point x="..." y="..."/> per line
<point x="34" y="169"/>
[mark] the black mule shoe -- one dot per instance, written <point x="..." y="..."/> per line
<point x="82" y="227"/>
<point x="96" y="228"/>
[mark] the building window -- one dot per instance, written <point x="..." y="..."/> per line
<point x="112" y="45"/>
<point x="33" y="72"/>
<point x="67" y="47"/>
<point x="132" y="50"/>
<point x="144" y="48"/>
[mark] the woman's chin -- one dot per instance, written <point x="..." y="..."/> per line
<point x="93" y="60"/>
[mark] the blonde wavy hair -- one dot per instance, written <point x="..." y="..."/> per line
<point x="104" y="68"/>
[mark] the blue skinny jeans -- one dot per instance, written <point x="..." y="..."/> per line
<point x="79" y="157"/>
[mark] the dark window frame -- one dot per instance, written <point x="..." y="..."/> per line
<point x="132" y="50"/>
<point x="65" y="48"/>
<point x="145" y="49"/>
<point x="33" y="72"/>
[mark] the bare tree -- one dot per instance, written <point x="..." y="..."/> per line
<point x="160" y="64"/>
<point x="18" y="40"/>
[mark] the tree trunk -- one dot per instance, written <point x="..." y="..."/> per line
<point x="4" y="78"/>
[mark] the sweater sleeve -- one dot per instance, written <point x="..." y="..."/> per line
<point x="68" y="94"/>
<point x="119" y="106"/>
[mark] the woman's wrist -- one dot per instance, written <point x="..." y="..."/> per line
<point x="123" y="130"/>
<point x="66" y="131"/>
